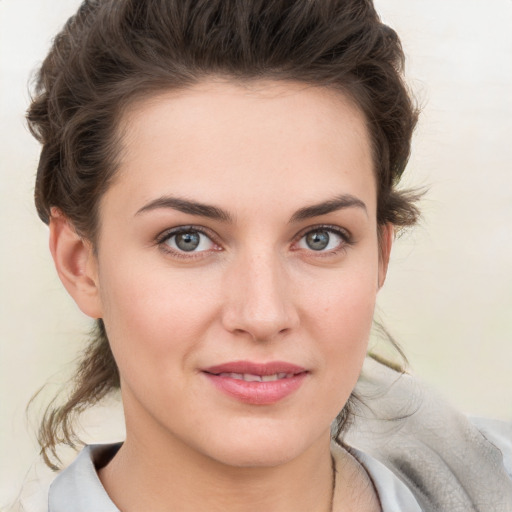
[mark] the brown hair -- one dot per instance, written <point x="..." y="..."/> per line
<point x="115" y="51"/>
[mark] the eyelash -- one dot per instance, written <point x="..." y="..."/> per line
<point x="345" y="235"/>
<point x="164" y="237"/>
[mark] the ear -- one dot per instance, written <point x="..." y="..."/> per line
<point x="386" y="236"/>
<point x="76" y="264"/>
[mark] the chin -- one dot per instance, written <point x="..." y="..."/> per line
<point x="256" y="455"/>
<point x="264" y="445"/>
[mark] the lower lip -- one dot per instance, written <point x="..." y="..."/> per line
<point x="257" y="393"/>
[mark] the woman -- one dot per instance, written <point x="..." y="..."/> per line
<point x="220" y="183"/>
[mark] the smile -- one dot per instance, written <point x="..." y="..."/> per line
<point x="256" y="383"/>
<point x="249" y="377"/>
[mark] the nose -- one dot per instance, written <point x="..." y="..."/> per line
<point x="259" y="298"/>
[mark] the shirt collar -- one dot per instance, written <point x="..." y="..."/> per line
<point x="80" y="485"/>
<point x="393" y="494"/>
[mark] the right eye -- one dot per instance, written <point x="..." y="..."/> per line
<point x="187" y="240"/>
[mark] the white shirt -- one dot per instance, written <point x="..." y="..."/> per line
<point x="78" y="488"/>
<point x="420" y="453"/>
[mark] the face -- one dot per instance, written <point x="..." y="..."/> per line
<point x="237" y="267"/>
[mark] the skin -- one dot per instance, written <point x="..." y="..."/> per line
<point x="253" y="290"/>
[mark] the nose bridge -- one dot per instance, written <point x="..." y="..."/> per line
<point x="259" y="300"/>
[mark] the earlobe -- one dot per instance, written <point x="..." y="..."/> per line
<point x="386" y="237"/>
<point x="75" y="263"/>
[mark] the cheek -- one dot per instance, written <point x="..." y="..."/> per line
<point x="348" y="320"/>
<point x="344" y="302"/>
<point x="152" y="314"/>
<point x="340" y="320"/>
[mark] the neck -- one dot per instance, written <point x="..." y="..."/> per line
<point x="161" y="475"/>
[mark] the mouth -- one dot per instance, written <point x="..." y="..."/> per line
<point x="256" y="383"/>
<point x="250" y="377"/>
<point x="280" y="369"/>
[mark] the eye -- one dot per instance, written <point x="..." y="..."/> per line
<point x="187" y="240"/>
<point x="323" y="239"/>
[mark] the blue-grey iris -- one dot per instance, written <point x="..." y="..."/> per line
<point x="188" y="241"/>
<point x="317" y="240"/>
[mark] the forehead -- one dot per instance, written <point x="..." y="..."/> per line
<point x="220" y="140"/>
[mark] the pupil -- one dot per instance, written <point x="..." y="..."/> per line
<point x="317" y="240"/>
<point x="187" y="241"/>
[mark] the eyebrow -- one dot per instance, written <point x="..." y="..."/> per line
<point x="213" y="212"/>
<point x="187" y="206"/>
<point x="338" y="203"/>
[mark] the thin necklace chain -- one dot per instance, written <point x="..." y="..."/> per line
<point x="333" y="485"/>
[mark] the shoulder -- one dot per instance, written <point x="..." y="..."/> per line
<point x="447" y="461"/>
<point x="47" y="491"/>
<point x="498" y="433"/>
<point x="79" y="483"/>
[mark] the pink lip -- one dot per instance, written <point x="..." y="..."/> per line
<point x="256" y="393"/>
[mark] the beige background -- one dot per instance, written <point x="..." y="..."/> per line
<point x="449" y="293"/>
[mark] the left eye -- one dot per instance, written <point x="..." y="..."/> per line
<point x="190" y="240"/>
<point x="321" y="240"/>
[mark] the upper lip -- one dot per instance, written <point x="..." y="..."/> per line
<point x="253" y="368"/>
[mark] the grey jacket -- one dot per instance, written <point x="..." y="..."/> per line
<point x="421" y="454"/>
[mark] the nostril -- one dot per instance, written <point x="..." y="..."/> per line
<point x="258" y="302"/>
